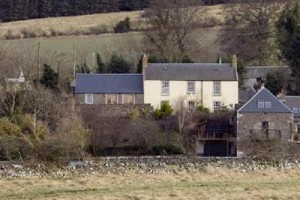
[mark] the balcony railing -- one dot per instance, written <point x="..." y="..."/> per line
<point x="215" y="134"/>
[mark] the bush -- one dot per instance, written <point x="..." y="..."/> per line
<point x="123" y="26"/>
<point x="28" y="33"/>
<point x="97" y="30"/>
<point x="167" y="150"/>
<point x="165" y="111"/>
<point x="203" y="109"/>
<point x="10" y="36"/>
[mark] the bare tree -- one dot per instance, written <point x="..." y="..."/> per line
<point x="249" y="31"/>
<point x="171" y="25"/>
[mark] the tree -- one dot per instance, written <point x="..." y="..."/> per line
<point x="276" y="80"/>
<point x="49" y="78"/>
<point x="123" y="26"/>
<point x="117" y="64"/>
<point x="100" y="66"/>
<point x="288" y="39"/>
<point x="248" y="32"/>
<point x="83" y="68"/>
<point x="171" y="26"/>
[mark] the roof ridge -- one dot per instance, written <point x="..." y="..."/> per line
<point x="260" y="91"/>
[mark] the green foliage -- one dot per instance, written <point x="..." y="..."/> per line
<point x="49" y="78"/>
<point x="165" y="111"/>
<point x="288" y="39"/>
<point x="117" y="64"/>
<point x="203" y="109"/>
<point x="123" y="26"/>
<point x="100" y="68"/>
<point x="83" y="68"/>
<point x="167" y="150"/>
<point x="276" y="81"/>
<point x="134" y="114"/>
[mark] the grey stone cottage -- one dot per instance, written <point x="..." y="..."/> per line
<point x="265" y="114"/>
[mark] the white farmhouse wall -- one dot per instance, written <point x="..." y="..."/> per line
<point x="178" y="93"/>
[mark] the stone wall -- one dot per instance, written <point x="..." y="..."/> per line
<point x="115" y="109"/>
<point x="253" y="121"/>
<point x="142" y="165"/>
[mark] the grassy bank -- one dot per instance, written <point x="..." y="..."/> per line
<point x="213" y="184"/>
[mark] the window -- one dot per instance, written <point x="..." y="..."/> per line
<point x="268" y="104"/>
<point x="128" y="98"/>
<point x="264" y="104"/>
<point x="217" y="105"/>
<point x="89" y="98"/>
<point x="191" y="87"/>
<point x="191" y="105"/>
<point x="111" y="98"/>
<point x="217" y="88"/>
<point x="165" y="88"/>
<point x="265" y="127"/>
<point x="295" y="110"/>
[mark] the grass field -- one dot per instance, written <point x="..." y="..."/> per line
<point x="214" y="184"/>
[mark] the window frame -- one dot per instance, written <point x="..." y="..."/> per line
<point x="193" y="87"/>
<point x="260" y="104"/>
<point x="216" y="107"/>
<point x="193" y="107"/>
<point x="88" y="97"/>
<point x="217" y="88"/>
<point x="165" y="89"/>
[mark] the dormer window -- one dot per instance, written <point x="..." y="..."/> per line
<point x="264" y="104"/>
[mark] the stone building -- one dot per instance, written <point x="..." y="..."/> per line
<point x="109" y="89"/>
<point x="264" y="114"/>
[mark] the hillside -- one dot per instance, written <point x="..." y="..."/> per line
<point x="72" y="28"/>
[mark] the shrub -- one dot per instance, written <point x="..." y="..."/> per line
<point x="134" y="114"/>
<point x="167" y="150"/>
<point x="165" y="111"/>
<point x="123" y="26"/>
<point x="97" y="30"/>
<point x="28" y="33"/>
<point x="203" y="109"/>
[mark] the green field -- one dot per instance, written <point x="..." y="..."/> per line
<point x="213" y="184"/>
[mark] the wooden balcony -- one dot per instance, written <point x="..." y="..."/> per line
<point x="216" y="135"/>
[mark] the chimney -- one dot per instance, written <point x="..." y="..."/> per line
<point x="234" y="61"/>
<point x="220" y="60"/>
<point x="145" y="64"/>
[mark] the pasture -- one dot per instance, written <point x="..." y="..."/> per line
<point x="212" y="184"/>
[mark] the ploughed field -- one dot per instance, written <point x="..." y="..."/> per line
<point x="213" y="183"/>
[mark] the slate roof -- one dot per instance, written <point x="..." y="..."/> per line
<point x="246" y="94"/>
<point x="109" y="83"/>
<point x="293" y="102"/>
<point x="190" y="71"/>
<point x="264" y="95"/>
<point x="261" y="71"/>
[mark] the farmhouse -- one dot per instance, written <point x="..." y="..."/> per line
<point x="212" y="85"/>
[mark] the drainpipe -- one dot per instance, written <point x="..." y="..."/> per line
<point x="201" y="92"/>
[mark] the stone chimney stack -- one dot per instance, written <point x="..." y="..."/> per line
<point x="234" y="61"/>
<point x="145" y="64"/>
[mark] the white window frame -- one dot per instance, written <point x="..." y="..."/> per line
<point x="268" y="104"/>
<point x="217" y="88"/>
<point x="260" y="104"/>
<point x="215" y="105"/>
<point x="165" y="88"/>
<point x="191" y="87"/>
<point x="191" y="105"/>
<point x="89" y="99"/>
